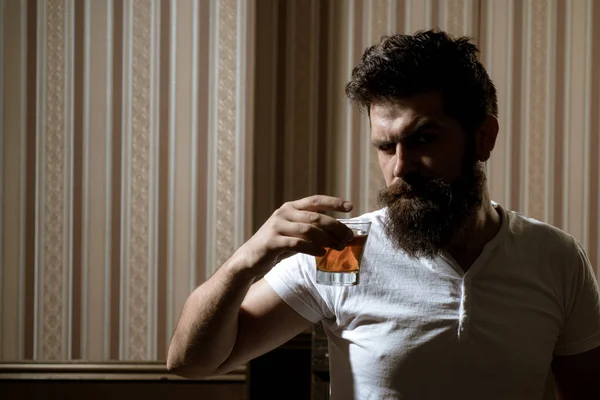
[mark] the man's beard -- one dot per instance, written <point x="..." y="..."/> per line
<point x="436" y="213"/>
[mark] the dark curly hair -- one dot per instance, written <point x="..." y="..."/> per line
<point x="401" y="66"/>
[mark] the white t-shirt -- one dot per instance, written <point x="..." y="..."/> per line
<point x="424" y="329"/>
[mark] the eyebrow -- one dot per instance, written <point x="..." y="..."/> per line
<point x="417" y="129"/>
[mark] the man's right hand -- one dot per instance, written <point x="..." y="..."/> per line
<point x="297" y="227"/>
<point x="227" y="320"/>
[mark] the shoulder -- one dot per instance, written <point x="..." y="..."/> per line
<point x="533" y="234"/>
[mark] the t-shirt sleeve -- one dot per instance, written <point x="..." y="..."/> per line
<point x="581" y="328"/>
<point x="293" y="279"/>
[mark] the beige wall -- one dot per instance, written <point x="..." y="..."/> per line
<point x="143" y="140"/>
<point x="125" y="168"/>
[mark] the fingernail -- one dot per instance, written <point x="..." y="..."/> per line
<point x="347" y="206"/>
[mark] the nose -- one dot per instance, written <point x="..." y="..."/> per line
<point x="402" y="162"/>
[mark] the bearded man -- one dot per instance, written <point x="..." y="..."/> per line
<point x="459" y="298"/>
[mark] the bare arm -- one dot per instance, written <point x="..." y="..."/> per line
<point x="227" y="320"/>
<point x="264" y="323"/>
<point x="207" y="327"/>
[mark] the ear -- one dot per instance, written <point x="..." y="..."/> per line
<point x="485" y="137"/>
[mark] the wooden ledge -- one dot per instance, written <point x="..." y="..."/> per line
<point x="74" y="370"/>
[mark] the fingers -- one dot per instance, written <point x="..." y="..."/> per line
<point x="322" y="203"/>
<point x="293" y="245"/>
<point x="307" y="210"/>
<point x="299" y="227"/>
<point x="314" y="234"/>
<point x="329" y="224"/>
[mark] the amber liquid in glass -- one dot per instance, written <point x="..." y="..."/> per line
<point x="347" y="260"/>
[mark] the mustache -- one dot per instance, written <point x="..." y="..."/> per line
<point x="432" y="188"/>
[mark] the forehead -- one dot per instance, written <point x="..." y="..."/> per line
<point x="402" y="115"/>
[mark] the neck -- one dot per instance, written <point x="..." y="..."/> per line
<point x="484" y="225"/>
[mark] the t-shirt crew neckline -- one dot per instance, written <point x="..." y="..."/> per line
<point x="487" y="250"/>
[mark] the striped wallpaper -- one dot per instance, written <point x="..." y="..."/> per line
<point x="142" y="141"/>
<point x="124" y="168"/>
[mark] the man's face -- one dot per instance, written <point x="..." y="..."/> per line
<point x="434" y="182"/>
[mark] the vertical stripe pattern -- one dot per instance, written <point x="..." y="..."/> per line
<point x="182" y="154"/>
<point x="31" y="191"/>
<point x="18" y="345"/>
<point x="96" y="180"/>
<point x="78" y="171"/>
<point x="541" y="55"/>
<point x="300" y="100"/>
<point x="266" y="99"/>
<point x="163" y="330"/>
<point x="1" y="165"/>
<point x="138" y="180"/>
<point x="52" y="322"/>
<point x="226" y="128"/>
<point x="593" y="223"/>
<point x="114" y="275"/>
<point x="202" y="39"/>
<point x="144" y="141"/>
<point x="227" y="205"/>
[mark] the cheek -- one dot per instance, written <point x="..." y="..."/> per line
<point x="455" y="169"/>
<point x="444" y="165"/>
<point x="387" y="168"/>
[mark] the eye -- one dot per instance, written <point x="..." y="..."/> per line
<point x="425" y="138"/>
<point x="387" y="147"/>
